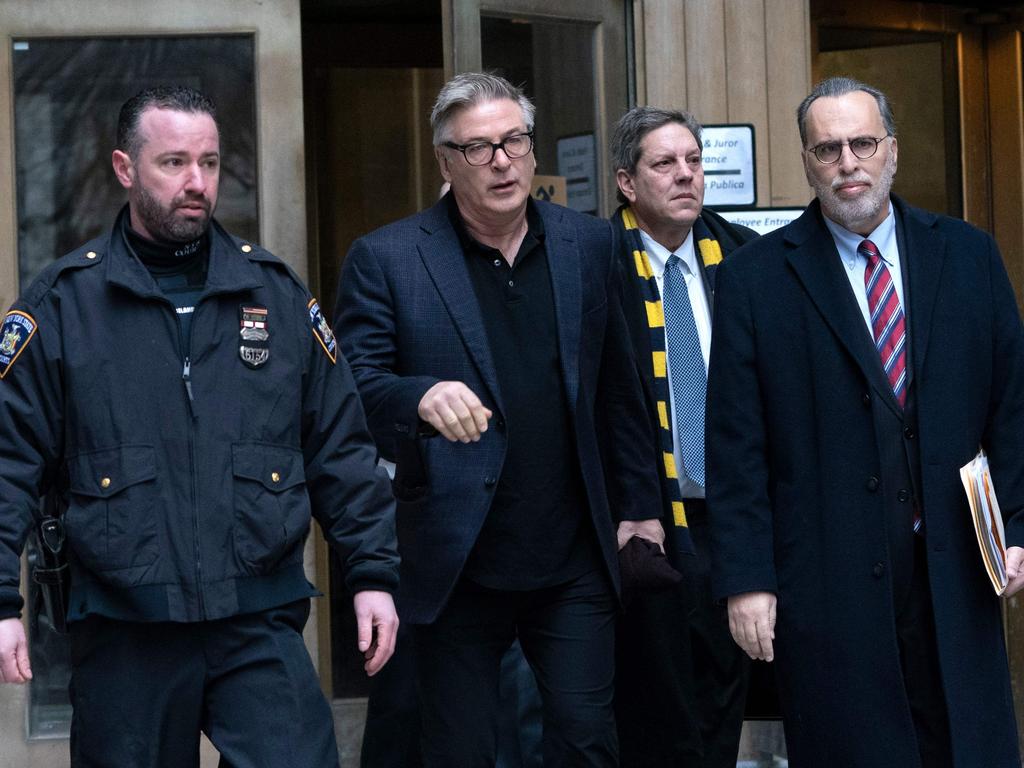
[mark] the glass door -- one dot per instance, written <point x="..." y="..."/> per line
<point x="572" y="60"/>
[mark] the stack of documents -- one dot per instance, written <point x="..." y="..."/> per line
<point x="988" y="521"/>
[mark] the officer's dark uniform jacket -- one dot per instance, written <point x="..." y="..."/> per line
<point x="189" y="482"/>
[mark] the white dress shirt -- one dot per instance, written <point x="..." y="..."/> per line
<point x="884" y="238"/>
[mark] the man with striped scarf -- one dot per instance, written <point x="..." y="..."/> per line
<point x="681" y="681"/>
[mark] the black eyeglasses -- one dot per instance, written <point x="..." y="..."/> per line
<point x="862" y="147"/>
<point x="482" y="152"/>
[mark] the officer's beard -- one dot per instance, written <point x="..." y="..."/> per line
<point x="166" y="223"/>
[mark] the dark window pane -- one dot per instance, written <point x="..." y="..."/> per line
<point x="67" y="96"/>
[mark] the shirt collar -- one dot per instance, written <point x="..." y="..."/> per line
<point x="883" y="236"/>
<point x="657" y="254"/>
<point x="534" y="225"/>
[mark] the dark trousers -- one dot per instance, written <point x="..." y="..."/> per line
<point x="681" y="680"/>
<point x="919" y="657"/>
<point x="567" y="634"/>
<point x="143" y="692"/>
<point x="391" y="736"/>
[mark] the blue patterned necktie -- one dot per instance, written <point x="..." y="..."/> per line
<point x="686" y="367"/>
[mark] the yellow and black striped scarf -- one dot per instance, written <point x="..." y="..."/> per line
<point x="710" y="254"/>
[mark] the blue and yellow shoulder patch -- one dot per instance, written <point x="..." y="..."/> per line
<point x="17" y="331"/>
<point x="322" y="330"/>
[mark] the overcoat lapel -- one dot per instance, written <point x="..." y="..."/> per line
<point x="926" y="257"/>
<point x="819" y="269"/>
<point x="635" y="310"/>
<point x="442" y="255"/>
<point x="564" y="265"/>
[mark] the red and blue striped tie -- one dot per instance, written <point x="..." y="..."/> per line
<point x="887" y="321"/>
<point x="889" y="327"/>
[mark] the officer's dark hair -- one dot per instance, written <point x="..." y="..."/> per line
<point x="177" y="97"/>
<point x="637" y="123"/>
<point x="834" y="87"/>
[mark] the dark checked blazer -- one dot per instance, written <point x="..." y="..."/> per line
<point x="407" y="317"/>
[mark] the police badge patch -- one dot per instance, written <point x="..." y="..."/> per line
<point x="17" y="329"/>
<point x="322" y="330"/>
<point x="254" y="347"/>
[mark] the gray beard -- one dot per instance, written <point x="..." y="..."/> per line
<point x="850" y="214"/>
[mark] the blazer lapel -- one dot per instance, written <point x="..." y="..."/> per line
<point x="564" y="265"/>
<point x="925" y="257"/>
<point x="442" y="255"/>
<point x="817" y="265"/>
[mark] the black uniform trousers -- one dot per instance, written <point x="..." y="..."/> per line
<point x="142" y="692"/>
<point x="567" y="633"/>
<point x="681" y="680"/>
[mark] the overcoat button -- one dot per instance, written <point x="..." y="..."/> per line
<point x="908" y="432"/>
<point x="490" y="481"/>
<point x="878" y="570"/>
<point x="866" y="399"/>
<point x="872" y="484"/>
<point x="903" y="495"/>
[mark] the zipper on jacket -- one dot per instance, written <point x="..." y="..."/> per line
<point x="186" y="375"/>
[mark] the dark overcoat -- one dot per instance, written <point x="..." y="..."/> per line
<point x="407" y="317"/>
<point x="799" y="494"/>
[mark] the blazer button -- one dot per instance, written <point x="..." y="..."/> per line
<point x="490" y="482"/>
<point x="402" y="427"/>
<point x="878" y="570"/>
<point x="872" y="484"/>
<point x="909" y="433"/>
<point x="903" y="495"/>
<point x="866" y="399"/>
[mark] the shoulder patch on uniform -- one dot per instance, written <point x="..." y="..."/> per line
<point x="17" y="331"/>
<point x="322" y="330"/>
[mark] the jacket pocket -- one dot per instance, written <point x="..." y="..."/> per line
<point x="110" y="518"/>
<point x="271" y="504"/>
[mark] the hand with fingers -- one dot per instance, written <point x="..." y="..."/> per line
<point x="645" y="529"/>
<point x="752" y="623"/>
<point x="376" y="627"/>
<point x="14" y="666"/>
<point x="1014" y="570"/>
<point x="455" y="411"/>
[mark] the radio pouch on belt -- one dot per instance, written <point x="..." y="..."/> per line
<point x="51" y="570"/>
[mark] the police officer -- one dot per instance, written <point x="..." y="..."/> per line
<point x="183" y="393"/>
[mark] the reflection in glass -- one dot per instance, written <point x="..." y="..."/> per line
<point x="554" y="62"/>
<point x="67" y="94"/>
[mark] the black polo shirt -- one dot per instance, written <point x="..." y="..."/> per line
<point x="537" y="532"/>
